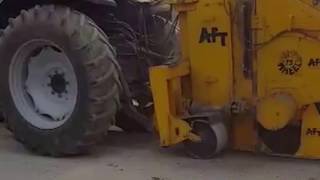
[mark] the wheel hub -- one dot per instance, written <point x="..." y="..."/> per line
<point x="43" y="84"/>
<point x="58" y="84"/>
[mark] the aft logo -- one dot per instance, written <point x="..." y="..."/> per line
<point x="313" y="132"/>
<point x="212" y="36"/>
<point x="314" y="62"/>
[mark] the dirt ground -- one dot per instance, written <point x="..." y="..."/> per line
<point x="138" y="157"/>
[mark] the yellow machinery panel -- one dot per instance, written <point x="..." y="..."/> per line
<point x="257" y="69"/>
<point x="310" y="134"/>
<point x="209" y="43"/>
<point x="286" y="57"/>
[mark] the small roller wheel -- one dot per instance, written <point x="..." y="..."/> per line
<point x="214" y="139"/>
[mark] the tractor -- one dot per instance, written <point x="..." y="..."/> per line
<point x="70" y="69"/>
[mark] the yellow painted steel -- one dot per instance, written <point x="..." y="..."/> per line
<point x="219" y="68"/>
<point x="276" y="111"/>
<point x="310" y="134"/>
<point x="168" y="101"/>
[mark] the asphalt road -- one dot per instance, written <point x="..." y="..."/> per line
<point x="138" y="157"/>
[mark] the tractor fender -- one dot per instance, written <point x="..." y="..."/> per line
<point x="101" y="2"/>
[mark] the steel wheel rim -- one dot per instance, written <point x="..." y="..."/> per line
<point x="43" y="84"/>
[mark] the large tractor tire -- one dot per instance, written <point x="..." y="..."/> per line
<point x="59" y="81"/>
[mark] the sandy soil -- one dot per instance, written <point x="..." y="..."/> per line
<point x="138" y="157"/>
